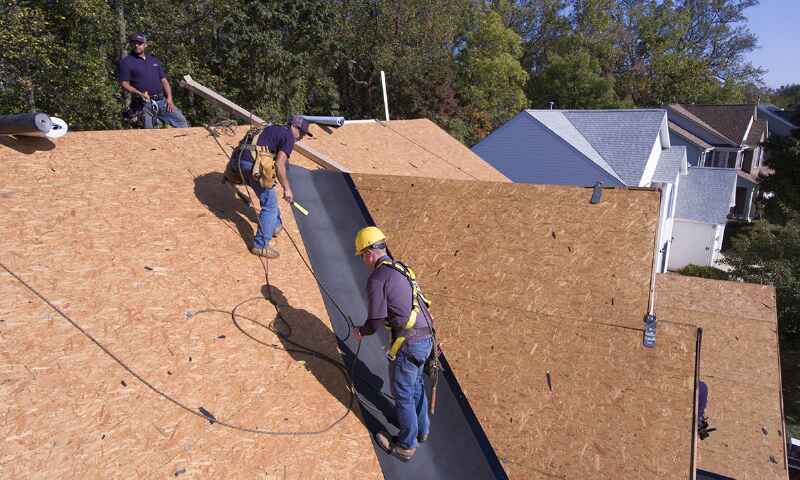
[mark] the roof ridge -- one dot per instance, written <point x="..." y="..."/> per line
<point x="606" y="167"/>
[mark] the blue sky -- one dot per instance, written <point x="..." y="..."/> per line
<point x="777" y="25"/>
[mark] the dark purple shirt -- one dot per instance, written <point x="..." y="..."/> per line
<point x="389" y="297"/>
<point x="144" y="74"/>
<point x="277" y="138"/>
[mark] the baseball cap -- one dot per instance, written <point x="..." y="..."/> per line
<point x="137" y="38"/>
<point x="301" y="123"/>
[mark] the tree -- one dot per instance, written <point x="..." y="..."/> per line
<point x="56" y="59"/>
<point x="572" y="79"/>
<point x="787" y="96"/>
<point x="491" y="83"/>
<point x="783" y="157"/>
<point x="414" y="42"/>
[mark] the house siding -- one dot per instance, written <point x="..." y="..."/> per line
<point x="526" y="151"/>
<point x="692" y="151"/>
<point x="694" y="243"/>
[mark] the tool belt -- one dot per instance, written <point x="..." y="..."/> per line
<point x="264" y="166"/>
<point x="399" y="336"/>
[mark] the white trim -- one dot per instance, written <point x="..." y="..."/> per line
<point x="652" y="162"/>
<point x="371" y="120"/>
<point x="747" y="131"/>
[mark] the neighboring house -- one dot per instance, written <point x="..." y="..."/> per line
<point x="781" y="122"/>
<point x="583" y="147"/>
<point x="723" y="136"/>
<point x="704" y="201"/>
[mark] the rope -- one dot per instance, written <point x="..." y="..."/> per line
<point x="347" y="372"/>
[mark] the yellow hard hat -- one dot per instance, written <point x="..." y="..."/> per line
<point x="367" y="237"/>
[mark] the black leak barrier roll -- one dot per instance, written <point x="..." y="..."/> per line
<point x="22" y="123"/>
<point x="457" y="447"/>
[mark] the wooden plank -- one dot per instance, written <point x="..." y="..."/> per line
<point x="320" y="158"/>
<point x="317" y="157"/>
<point x="219" y="100"/>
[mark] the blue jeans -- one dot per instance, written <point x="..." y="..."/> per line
<point x="408" y="388"/>
<point x="270" y="215"/>
<point x="174" y="118"/>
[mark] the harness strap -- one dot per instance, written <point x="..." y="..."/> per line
<point x="416" y="294"/>
<point x="264" y="172"/>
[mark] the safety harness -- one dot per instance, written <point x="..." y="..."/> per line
<point x="264" y="167"/>
<point x="416" y="295"/>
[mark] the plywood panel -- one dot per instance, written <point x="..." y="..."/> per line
<point x="740" y="364"/>
<point x="540" y="248"/>
<point x="401" y="147"/>
<point x="126" y="232"/>
<point x="529" y="279"/>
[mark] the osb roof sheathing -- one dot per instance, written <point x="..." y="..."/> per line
<point x="401" y="147"/>
<point x="740" y="364"/>
<point x="522" y="279"/>
<point x="126" y="231"/>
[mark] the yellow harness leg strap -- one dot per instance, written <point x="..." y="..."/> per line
<point x="416" y="294"/>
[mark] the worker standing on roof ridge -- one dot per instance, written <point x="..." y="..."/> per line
<point x="395" y="301"/>
<point x="144" y="77"/>
<point x="261" y="160"/>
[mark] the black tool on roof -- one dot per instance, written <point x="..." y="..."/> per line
<point x="209" y="416"/>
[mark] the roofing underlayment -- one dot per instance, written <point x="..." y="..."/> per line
<point x="131" y="235"/>
<point x="740" y="363"/>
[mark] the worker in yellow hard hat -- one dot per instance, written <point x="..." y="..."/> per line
<point x="395" y="301"/>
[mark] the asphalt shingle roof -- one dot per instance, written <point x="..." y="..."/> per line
<point x="689" y="136"/>
<point x="624" y="138"/>
<point x="730" y="120"/>
<point x="706" y="194"/>
<point x="669" y="165"/>
<point x="556" y="122"/>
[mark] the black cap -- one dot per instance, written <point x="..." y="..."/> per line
<point x="301" y="123"/>
<point x="137" y="38"/>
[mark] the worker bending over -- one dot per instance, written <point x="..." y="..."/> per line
<point x="395" y="301"/>
<point x="261" y="160"/>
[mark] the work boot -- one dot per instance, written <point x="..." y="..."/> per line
<point x="267" y="252"/>
<point x="387" y="444"/>
<point x="277" y="231"/>
<point x="422" y="438"/>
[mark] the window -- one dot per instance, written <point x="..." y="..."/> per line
<point x="747" y="164"/>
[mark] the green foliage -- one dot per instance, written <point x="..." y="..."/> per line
<point x="783" y="156"/>
<point x="469" y="66"/>
<point x="713" y="273"/>
<point x="491" y="84"/>
<point x="56" y="59"/>
<point x="573" y="80"/>
<point x="787" y="96"/>
<point x="770" y="254"/>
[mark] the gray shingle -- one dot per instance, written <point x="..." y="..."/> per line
<point x="561" y="126"/>
<point x="706" y="195"/>
<point x="670" y="164"/>
<point x="624" y="138"/>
